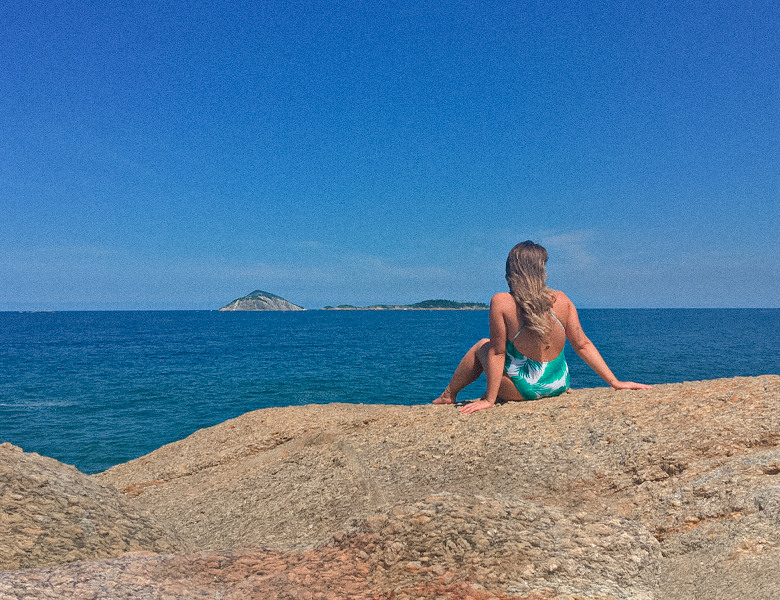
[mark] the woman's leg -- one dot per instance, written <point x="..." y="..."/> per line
<point x="508" y="391"/>
<point x="468" y="371"/>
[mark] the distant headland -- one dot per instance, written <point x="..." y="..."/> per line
<point x="424" y="305"/>
<point x="265" y="301"/>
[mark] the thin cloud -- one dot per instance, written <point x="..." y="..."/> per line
<point x="266" y="272"/>
<point x="310" y="245"/>
<point x="346" y="267"/>
<point x="373" y="266"/>
<point x="570" y="249"/>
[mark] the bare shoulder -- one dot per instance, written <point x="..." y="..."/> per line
<point x="502" y="299"/>
<point x="503" y="303"/>
<point x="562" y="306"/>
<point x="561" y="300"/>
<point x="566" y="312"/>
<point x="502" y="306"/>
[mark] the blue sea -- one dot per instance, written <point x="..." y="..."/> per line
<point x="94" y="389"/>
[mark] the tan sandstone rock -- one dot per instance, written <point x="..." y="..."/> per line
<point x="671" y="493"/>
<point x="52" y="513"/>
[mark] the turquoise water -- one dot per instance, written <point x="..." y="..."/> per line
<point x="94" y="389"/>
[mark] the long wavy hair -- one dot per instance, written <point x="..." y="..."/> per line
<point x="527" y="279"/>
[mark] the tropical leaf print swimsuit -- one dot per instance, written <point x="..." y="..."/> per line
<point x="536" y="379"/>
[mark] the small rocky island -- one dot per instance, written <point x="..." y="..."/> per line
<point x="424" y="305"/>
<point x="259" y="300"/>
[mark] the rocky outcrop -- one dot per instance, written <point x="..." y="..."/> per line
<point x="671" y="493"/>
<point x="259" y="300"/>
<point x="51" y="513"/>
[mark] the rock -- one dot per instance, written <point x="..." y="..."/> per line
<point x="51" y="513"/>
<point x="670" y="493"/>
<point x="243" y="574"/>
<point x="500" y="541"/>
<point x="258" y="300"/>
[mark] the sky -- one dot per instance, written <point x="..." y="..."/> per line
<point x="179" y="155"/>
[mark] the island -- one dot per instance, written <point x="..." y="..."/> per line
<point x="259" y="300"/>
<point x="424" y="305"/>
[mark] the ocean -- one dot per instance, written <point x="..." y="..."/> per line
<point x="94" y="389"/>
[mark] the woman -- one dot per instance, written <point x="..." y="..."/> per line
<point x="529" y="326"/>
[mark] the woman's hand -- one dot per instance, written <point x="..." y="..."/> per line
<point x="475" y="406"/>
<point x="630" y="385"/>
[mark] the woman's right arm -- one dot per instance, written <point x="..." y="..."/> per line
<point x="493" y="362"/>
<point x="587" y="351"/>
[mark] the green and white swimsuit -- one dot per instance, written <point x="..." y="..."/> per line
<point x="536" y="379"/>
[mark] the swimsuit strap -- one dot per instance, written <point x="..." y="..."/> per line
<point x="556" y="318"/>
<point x="551" y="314"/>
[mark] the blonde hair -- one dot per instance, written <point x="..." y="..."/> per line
<point x="527" y="279"/>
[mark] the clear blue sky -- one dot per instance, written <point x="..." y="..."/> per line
<point x="178" y="155"/>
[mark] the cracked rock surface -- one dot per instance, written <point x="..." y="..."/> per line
<point x="51" y="513"/>
<point x="669" y="493"/>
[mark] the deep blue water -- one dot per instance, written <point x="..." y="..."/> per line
<point x="94" y="389"/>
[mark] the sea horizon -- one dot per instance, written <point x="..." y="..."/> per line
<point x="367" y="307"/>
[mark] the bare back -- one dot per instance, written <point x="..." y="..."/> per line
<point x="524" y="340"/>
